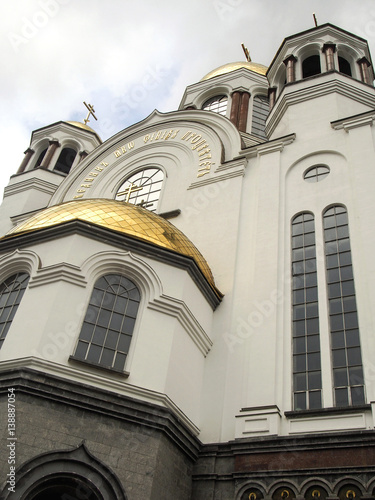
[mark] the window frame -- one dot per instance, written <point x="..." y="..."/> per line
<point x="97" y="324"/>
<point x="11" y="306"/>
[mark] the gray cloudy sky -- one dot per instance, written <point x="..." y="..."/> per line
<point x="130" y="57"/>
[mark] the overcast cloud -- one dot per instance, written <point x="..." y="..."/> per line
<point x="128" y="58"/>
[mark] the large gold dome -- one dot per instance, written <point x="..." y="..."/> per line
<point x="122" y="217"/>
<point x="227" y="68"/>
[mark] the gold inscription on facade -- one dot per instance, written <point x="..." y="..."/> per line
<point x="201" y="146"/>
<point x="197" y="143"/>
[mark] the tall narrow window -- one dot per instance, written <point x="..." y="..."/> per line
<point x="307" y="380"/>
<point x="109" y="322"/>
<point x="142" y="188"/>
<point x="260" y="113"/>
<point x="346" y="351"/>
<point x="65" y="160"/>
<point x="40" y="158"/>
<point x="11" y="292"/>
<point x="311" y="66"/>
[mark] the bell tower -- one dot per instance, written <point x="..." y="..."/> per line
<point x="321" y="73"/>
<point x="54" y="152"/>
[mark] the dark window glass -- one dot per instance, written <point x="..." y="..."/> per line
<point x="344" y="66"/>
<point x="316" y="174"/>
<point x="40" y="158"/>
<point x="65" y="160"/>
<point x="311" y="66"/>
<point x="345" y="344"/>
<point x="307" y="383"/>
<point x="260" y="113"/>
<point x="102" y="340"/>
<point x="11" y="292"/>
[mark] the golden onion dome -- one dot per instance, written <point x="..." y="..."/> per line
<point x="132" y="220"/>
<point x="227" y="68"/>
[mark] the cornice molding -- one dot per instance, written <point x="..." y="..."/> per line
<point x="178" y="309"/>
<point x="327" y="83"/>
<point x="119" y="240"/>
<point x="273" y="146"/>
<point x="100" y="394"/>
<point x="58" y="272"/>
<point x="361" y="120"/>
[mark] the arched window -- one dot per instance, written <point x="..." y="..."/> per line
<point x="307" y="380"/>
<point x="260" y="113"/>
<point x="142" y="188"/>
<point x="65" y="160"/>
<point x="65" y="488"/>
<point x="344" y="66"/>
<point x="316" y="493"/>
<point x="283" y="493"/>
<point x="252" y="494"/>
<point x="346" y="351"/>
<point x="40" y="158"/>
<point x="311" y="66"/>
<point x="11" y="292"/>
<point x="109" y="322"/>
<point x="350" y="492"/>
<point x="217" y="104"/>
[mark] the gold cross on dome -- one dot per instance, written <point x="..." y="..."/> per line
<point x="91" y="109"/>
<point x="128" y="191"/>
<point x="247" y="53"/>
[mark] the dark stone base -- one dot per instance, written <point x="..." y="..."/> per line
<point x="124" y="449"/>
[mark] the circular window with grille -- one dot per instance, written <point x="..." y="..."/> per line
<point x="316" y="173"/>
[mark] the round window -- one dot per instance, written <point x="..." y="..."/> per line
<point x="316" y="174"/>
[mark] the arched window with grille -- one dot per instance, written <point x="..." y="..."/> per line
<point x="142" y="188"/>
<point x="217" y="104"/>
<point x="347" y="368"/>
<point x="109" y="323"/>
<point x="11" y="293"/>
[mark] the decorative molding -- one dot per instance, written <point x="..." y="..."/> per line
<point x="261" y="420"/>
<point x="178" y="309"/>
<point x="355" y="121"/>
<point x="119" y="240"/>
<point x="328" y="423"/>
<point x="103" y="388"/>
<point x="304" y="90"/>
<point x="58" y="272"/>
<point x="33" y="183"/>
<point x="270" y="146"/>
<point x="231" y="169"/>
<point x="18" y="260"/>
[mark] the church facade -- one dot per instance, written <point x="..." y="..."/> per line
<point x="187" y="309"/>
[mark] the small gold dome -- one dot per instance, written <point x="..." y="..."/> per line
<point x="227" y="68"/>
<point x="81" y="125"/>
<point x="122" y="217"/>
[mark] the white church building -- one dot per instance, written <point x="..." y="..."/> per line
<point x="187" y="309"/>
